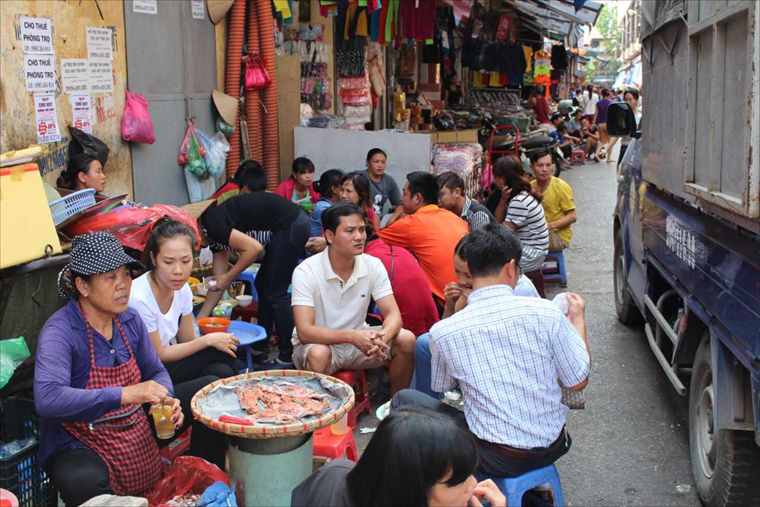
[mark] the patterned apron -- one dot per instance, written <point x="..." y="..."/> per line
<point x="122" y="437"/>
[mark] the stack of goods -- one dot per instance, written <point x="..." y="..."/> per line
<point x="542" y="70"/>
<point x="465" y="159"/>
<point x="356" y="101"/>
<point x="496" y="102"/>
<point x="315" y="84"/>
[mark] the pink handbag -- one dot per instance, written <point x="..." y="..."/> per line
<point x="256" y="75"/>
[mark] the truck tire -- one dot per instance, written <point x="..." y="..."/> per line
<point x="724" y="463"/>
<point x="627" y="311"/>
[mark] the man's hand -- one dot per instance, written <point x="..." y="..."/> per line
<point x="576" y="306"/>
<point x="365" y="340"/>
<point x="489" y="491"/>
<point x="315" y="244"/>
<point x="452" y="292"/>
<point x="144" y="392"/>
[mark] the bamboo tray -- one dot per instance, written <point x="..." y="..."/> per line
<point x="261" y="431"/>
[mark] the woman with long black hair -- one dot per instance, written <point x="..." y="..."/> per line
<point x="416" y="458"/>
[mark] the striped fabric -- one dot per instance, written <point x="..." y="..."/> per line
<point x="507" y="354"/>
<point x="527" y="214"/>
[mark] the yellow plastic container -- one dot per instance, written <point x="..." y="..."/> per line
<point x="26" y="226"/>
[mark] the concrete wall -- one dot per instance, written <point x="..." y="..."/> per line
<point x="17" y="116"/>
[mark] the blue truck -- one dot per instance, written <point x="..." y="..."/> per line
<point x="687" y="228"/>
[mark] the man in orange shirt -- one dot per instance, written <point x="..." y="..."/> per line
<point x="429" y="232"/>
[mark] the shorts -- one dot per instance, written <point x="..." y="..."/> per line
<point x="343" y="356"/>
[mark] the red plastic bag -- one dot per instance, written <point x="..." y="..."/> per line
<point x="256" y="75"/>
<point x="132" y="225"/>
<point x="190" y="149"/>
<point x="136" y="123"/>
<point x="187" y="475"/>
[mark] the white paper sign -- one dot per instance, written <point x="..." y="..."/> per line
<point x="37" y="35"/>
<point x="198" y="9"/>
<point x="39" y="71"/>
<point x="46" y="118"/>
<point x="99" y="43"/>
<point x="81" y="112"/>
<point x="101" y="76"/>
<point x="75" y="74"/>
<point x="145" y="6"/>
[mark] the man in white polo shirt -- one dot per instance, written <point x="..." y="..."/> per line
<point x="331" y="296"/>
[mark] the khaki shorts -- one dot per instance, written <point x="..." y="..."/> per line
<point x="343" y="356"/>
<point x="556" y="243"/>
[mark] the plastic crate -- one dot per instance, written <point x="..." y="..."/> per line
<point x="66" y="207"/>
<point x="20" y="472"/>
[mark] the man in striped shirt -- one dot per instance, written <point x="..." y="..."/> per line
<point x="509" y="355"/>
<point x="451" y="196"/>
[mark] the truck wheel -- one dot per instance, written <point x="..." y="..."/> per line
<point x="626" y="309"/>
<point x="724" y="463"/>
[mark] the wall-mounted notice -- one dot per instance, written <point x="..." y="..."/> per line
<point x="46" y="118"/>
<point x="145" y="6"/>
<point x="81" y="112"/>
<point x="39" y="71"/>
<point x="75" y="75"/>
<point x="101" y="76"/>
<point x="36" y="35"/>
<point x="99" y="43"/>
<point x="198" y="9"/>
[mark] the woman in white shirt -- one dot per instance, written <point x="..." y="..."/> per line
<point x="164" y="300"/>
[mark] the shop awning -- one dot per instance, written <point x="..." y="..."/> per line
<point x="556" y="19"/>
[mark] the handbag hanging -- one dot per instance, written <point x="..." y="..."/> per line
<point x="256" y="75"/>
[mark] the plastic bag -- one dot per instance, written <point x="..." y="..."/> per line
<point x="191" y="152"/>
<point x="216" y="148"/>
<point x="13" y="352"/>
<point x="186" y="475"/>
<point x="136" y="123"/>
<point x="132" y="225"/>
<point x="256" y="75"/>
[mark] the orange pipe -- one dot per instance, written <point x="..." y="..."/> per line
<point x="270" y="138"/>
<point x="235" y="37"/>
<point x="253" y="97"/>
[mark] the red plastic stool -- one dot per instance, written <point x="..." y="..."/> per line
<point x="358" y="380"/>
<point x="327" y="445"/>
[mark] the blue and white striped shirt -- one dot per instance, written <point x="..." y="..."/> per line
<point x="507" y="352"/>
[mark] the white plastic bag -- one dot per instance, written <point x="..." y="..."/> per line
<point x="216" y="148"/>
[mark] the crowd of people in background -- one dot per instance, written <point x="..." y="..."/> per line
<point x="455" y="286"/>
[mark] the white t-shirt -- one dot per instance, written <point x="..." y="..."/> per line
<point x="590" y="103"/>
<point x="339" y="304"/>
<point x="142" y="300"/>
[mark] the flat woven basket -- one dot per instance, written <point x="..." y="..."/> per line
<point x="267" y="430"/>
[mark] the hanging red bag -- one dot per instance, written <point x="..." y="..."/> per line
<point x="136" y="123"/>
<point x="190" y="145"/>
<point x="256" y="75"/>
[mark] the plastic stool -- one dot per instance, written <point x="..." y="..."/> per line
<point x="358" y="380"/>
<point x="515" y="487"/>
<point x="327" y="445"/>
<point x="249" y="278"/>
<point x="558" y="274"/>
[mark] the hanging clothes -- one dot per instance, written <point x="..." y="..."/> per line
<point x="417" y="19"/>
<point x="559" y="57"/>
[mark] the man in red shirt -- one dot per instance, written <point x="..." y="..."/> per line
<point x="418" y="311"/>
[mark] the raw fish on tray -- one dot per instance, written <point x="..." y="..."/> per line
<point x="281" y="403"/>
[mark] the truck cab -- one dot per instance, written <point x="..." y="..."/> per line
<point x="687" y="229"/>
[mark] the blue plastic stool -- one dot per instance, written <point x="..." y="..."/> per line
<point x="247" y="334"/>
<point x="249" y="278"/>
<point x="515" y="487"/>
<point x="558" y="274"/>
